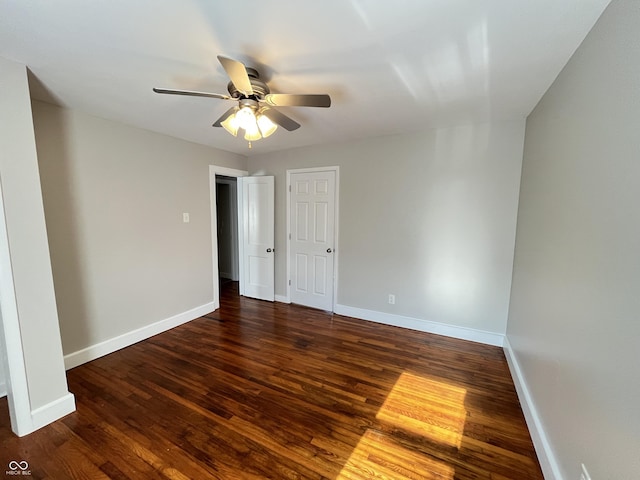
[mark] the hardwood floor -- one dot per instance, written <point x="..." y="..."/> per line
<point x="259" y="390"/>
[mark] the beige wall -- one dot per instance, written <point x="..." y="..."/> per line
<point x="573" y="321"/>
<point x="429" y="217"/>
<point x="114" y="197"/>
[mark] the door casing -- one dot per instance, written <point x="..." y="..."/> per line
<point x="232" y="215"/>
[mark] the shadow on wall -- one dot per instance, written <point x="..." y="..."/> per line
<point x="57" y="181"/>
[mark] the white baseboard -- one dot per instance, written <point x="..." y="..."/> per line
<point x="3" y="389"/>
<point x="463" y="333"/>
<point x="113" y="344"/>
<point x="53" y="411"/>
<point x="546" y="457"/>
<point x="282" y="299"/>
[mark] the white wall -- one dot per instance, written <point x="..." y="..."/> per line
<point x="429" y="217"/>
<point x="33" y="355"/>
<point x="114" y="196"/>
<point x="573" y="321"/>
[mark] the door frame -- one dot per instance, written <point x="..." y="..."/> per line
<point x="233" y="214"/>
<point x="336" y="220"/>
<point x="227" y="172"/>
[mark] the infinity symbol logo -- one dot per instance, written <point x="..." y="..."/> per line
<point x="13" y="465"/>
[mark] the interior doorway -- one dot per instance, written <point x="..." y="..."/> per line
<point x="255" y="230"/>
<point x="214" y="172"/>
<point x="227" y="228"/>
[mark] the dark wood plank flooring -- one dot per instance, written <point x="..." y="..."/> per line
<point x="259" y="390"/>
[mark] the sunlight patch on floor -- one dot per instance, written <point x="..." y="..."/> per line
<point x="379" y="456"/>
<point x="427" y="408"/>
<point x="423" y="408"/>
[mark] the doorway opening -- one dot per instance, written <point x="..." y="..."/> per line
<point x="227" y="229"/>
<point x="226" y="176"/>
<point x="255" y="232"/>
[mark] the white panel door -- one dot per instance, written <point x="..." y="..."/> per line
<point x="312" y="223"/>
<point x="257" y="220"/>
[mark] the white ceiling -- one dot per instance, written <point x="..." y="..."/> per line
<point x="389" y="66"/>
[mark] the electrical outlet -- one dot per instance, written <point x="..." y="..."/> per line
<point x="392" y="299"/>
<point x="185" y="217"/>
<point x="584" y="475"/>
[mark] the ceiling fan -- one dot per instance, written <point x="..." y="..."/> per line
<point x="253" y="113"/>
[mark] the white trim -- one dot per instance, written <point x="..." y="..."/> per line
<point x="227" y="172"/>
<point x="116" y="343"/>
<point x="53" y="411"/>
<point x="282" y="299"/>
<point x="240" y="203"/>
<point x="336" y="220"/>
<point x="463" y="333"/>
<point x="546" y="457"/>
<point x="3" y="389"/>
<point x="336" y="250"/>
<point x="287" y="234"/>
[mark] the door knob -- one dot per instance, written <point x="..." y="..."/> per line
<point x="329" y="250"/>
<point x="268" y="250"/>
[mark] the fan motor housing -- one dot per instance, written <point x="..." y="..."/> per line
<point x="260" y="89"/>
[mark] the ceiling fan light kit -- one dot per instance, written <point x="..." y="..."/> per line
<point x="253" y="115"/>
<point x="249" y="118"/>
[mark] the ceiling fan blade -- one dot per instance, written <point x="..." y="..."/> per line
<point x="225" y="115"/>
<point x="281" y="119"/>
<point x="238" y="74"/>
<point x="191" y="93"/>
<point x="294" y="100"/>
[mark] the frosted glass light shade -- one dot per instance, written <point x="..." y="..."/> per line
<point x="251" y="131"/>
<point x="246" y="118"/>
<point x="266" y="126"/>
<point x="254" y="126"/>
<point x="231" y="124"/>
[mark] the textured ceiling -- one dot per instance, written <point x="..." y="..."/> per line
<point x="389" y="66"/>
